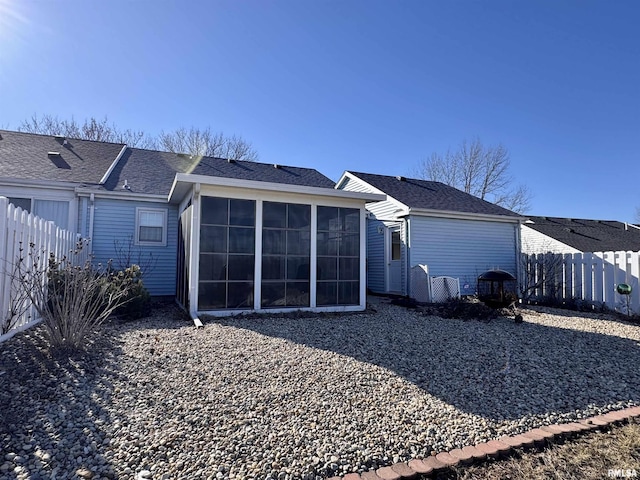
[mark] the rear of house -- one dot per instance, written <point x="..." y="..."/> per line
<point x="428" y="223"/>
<point x="221" y="236"/>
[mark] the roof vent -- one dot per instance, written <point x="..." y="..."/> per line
<point x="53" y="154"/>
<point x="231" y="160"/>
<point x="401" y="178"/>
<point x="185" y="155"/>
<point x="275" y="165"/>
<point x="126" y="185"/>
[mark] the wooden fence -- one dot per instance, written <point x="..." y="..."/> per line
<point x="591" y="277"/>
<point x="22" y="233"/>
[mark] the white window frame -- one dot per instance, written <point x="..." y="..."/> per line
<point x="139" y="212"/>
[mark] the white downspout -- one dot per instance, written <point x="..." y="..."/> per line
<point x="91" y="218"/>
<point x="194" y="251"/>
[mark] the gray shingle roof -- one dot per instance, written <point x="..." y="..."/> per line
<point x="429" y="195"/>
<point x="149" y="171"/>
<point x="25" y="156"/>
<point x="589" y="235"/>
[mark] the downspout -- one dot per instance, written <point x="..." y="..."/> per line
<point x="408" y="256"/>
<point x="91" y="218"/>
<point x="194" y="251"/>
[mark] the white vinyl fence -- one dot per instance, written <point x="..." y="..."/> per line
<point x="591" y="277"/>
<point x="20" y="234"/>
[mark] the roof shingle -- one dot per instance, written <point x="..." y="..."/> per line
<point x="589" y="235"/>
<point x="25" y="156"/>
<point x="424" y="194"/>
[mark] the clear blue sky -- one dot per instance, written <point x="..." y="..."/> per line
<point x="371" y="86"/>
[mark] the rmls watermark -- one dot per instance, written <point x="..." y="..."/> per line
<point x="623" y="473"/>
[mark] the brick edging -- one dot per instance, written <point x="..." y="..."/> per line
<point x="535" y="437"/>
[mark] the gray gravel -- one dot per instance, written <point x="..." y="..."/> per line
<point x="300" y="396"/>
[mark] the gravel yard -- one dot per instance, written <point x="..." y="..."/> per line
<point x="301" y="396"/>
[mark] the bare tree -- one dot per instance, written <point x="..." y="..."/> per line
<point x="482" y="171"/>
<point x="194" y="141"/>
<point x="90" y="129"/>
<point x="204" y="142"/>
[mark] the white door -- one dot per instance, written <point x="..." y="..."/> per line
<point x="394" y="266"/>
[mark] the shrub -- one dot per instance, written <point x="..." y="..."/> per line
<point x="72" y="300"/>
<point x="467" y="308"/>
<point x="138" y="301"/>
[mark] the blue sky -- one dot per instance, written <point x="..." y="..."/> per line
<point x="371" y="86"/>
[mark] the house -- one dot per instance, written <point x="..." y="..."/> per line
<point x="225" y="236"/>
<point x="429" y="223"/>
<point x="572" y="235"/>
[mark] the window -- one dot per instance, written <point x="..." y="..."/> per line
<point x="338" y="256"/>
<point x="227" y="254"/>
<point x="23" y="203"/>
<point x="52" y="210"/>
<point x="286" y="252"/>
<point x="395" y="246"/>
<point x="151" y="226"/>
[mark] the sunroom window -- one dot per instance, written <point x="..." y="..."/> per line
<point x="338" y="256"/>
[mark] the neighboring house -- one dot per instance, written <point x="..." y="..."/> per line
<point x="422" y="222"/>
<point x="225" y="236"/>
<point x="572" y="235"/>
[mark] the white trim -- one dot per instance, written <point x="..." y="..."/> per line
<point x="313" y="257"/>
<point x="424" y="212"/>
<point x="363" y="257"/>
<point x="388" y="249"/>
<point x="165" y="215"/>
<point x="50" y="184"/>
<point x="194" y="252"/>
<point x="257" y="252"/>
<point x="181" y="181"/>
<point x="350" y="176"/>
<point x="142" y="197"/>
<point x="105" y="177"/>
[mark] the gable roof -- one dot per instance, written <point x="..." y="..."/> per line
<point x="589" y="235"/>
<point x="150" y="172"/>
<point x="428" y="195"/>
<point x="27" y="156"/>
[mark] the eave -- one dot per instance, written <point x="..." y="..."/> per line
<point x="183" y="182"/>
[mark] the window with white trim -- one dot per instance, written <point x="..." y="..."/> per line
<point x="151" y="226"/>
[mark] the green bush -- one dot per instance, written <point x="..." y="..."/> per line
<point x="138" y="301"/>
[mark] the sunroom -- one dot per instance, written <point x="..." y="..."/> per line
<point x="247" y="246"/>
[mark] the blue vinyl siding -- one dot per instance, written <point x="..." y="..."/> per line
<point x="115" y="220"/>
<point x="463" y="248"/>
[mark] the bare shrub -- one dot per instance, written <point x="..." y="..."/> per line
<point x="72" y="300"/>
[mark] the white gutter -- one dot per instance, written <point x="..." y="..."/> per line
<point x="105" y="177"/>
<point x="466" y="215"/>
<point x="23" y="182"/>
<point x="270" y="186"/>
<point x="87" y="191"/>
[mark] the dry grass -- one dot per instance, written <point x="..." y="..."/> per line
<point x="590" y="456"/>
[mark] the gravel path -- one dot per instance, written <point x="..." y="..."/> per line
<point x="298" y="396"/>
